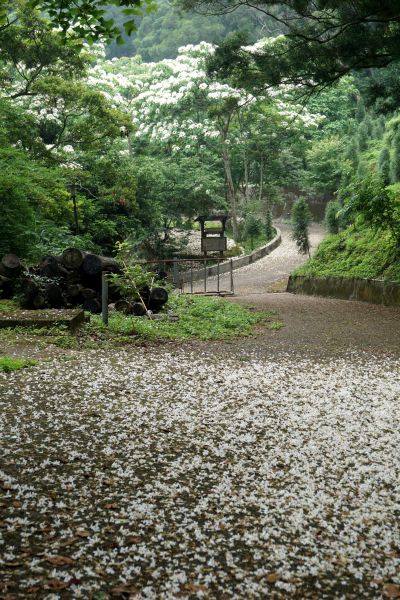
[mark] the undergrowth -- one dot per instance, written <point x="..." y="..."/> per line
<point x="356" y="252"/>
<point x="196" y="318"/>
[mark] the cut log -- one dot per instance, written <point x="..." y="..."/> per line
<point x="38" y="301"/>
<point x="28" y="288"/>
<point x="88" y="293"/>
<point x="73" y="292"/>
<point x="6" y="287"/>
<point x="51" y="267"/>
<point x="158" y="297"/>
<point x="159" y="294"/>
<point x="93" y="264"/>
<point x="138" y="309"/>
<point x="72" y="258"/>
<point x="10" y="266"/>
<point x="124" y="306"/>
<point x="93" y="306"/>
<point x="54" y="295"/>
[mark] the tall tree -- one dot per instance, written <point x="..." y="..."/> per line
<point x="323" y="40"/>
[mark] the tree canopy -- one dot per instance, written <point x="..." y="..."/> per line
<point x="86" y="20"/>
<point x="323" y="40"/>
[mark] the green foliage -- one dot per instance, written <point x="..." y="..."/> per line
<point x="332" y="217"/>
<point x="87" y="20"/>
<point x="363" y="136"/>
<point x="376" y="205"/>
<point x="358" y="251"/>
<point x="395" y="158"/>
<point x="384" y="165"/>
<point x="253" y="228"/>
<point x="27" y="189"/>
<point x="160" y="33"/>
<point x="133" y="278"/>
<point x="360" y="111"/>
<point x="325" y="164"/>
<point x="301" y="219"/>
<point x="204" y="318"/>
<point x="9" y="364"/>
<point x="268" y="227"/>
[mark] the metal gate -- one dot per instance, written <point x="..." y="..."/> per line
<point x="206" y="276"/>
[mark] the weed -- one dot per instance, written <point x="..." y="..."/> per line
<point x="275" y="325"/>
<point x="8" y="364"/>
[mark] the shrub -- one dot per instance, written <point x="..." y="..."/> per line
<point x="301" y="219"/>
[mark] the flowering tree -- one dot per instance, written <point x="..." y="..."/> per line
<point x="176" y="106"/>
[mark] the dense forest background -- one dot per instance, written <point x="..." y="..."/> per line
<point x="105" y="142"/>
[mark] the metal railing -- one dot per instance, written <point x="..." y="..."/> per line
<point x="197" y="276"/>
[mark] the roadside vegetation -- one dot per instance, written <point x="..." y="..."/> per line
<point x="358" y="251"/>
<point x="185" y="318"/>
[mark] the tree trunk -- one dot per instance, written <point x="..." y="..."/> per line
<point x="231" y="192"/>
<point x="246" y="180"/>
<point x="260" y="189"/>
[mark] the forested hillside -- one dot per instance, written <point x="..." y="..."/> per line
<point x="97" y="149"/>
<point x="160" y="33"/>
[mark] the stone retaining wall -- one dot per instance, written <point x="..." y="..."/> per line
<point x="237" y="262"/>
<point x="364" y="290"/>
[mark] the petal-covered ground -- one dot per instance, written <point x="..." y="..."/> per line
<point x="184" y="472"/>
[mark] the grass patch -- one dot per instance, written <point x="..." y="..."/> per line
<point x="199" y="318"/>
<point x="356" y="252"/>
<point x="202" y="318"/>
<point x="8" y="364"/>
<point x="8" y="306"/>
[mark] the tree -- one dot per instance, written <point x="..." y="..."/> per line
<point x="332" y="221"/>
<point x="179" y="110"/>
<point x="301" y="219"/>
<point x="253" y="228"/>
<point x="323" y="41"/>
<point x="269" y="228"/>
<point x="395" y="161"/>
<point x="384" y="164"/>
<point x="83" y="20"/>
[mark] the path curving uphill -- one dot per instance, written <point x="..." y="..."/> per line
<point x="259" y="277"/>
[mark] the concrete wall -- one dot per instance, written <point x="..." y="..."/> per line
<point x="364" y="290"/>
<point x="237" y="262"/>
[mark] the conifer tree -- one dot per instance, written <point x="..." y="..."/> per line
<point x="301" y="219"/>
<point x="395" y="161"/>
<point x="331" y="217"/>
<point x="269" y="229"/>
<point x="360" y="110"/>
<point x="362" y="136"/>
<point x="384" y="165"/>
<point x="252" y="228"/>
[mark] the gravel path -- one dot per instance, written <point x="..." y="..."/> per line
<point x="251" y="469"/>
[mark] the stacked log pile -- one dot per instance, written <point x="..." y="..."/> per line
<point x="69" y="280"/>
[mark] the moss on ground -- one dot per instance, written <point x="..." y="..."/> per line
<point x="356" y="252"/>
